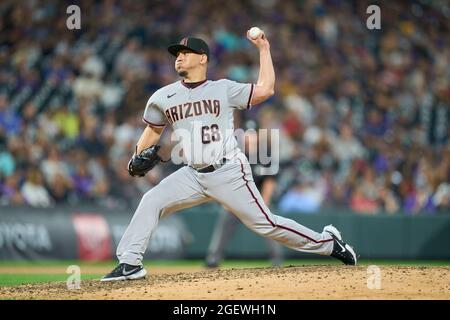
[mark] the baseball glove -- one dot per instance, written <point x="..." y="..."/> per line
<point x="140" y="164"/>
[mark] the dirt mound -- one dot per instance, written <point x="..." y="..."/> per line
<point x="288" y="283"/>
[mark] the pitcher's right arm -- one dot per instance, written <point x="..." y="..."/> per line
<point x="265" y="87"/>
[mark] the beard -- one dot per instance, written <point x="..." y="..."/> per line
<point x="182" y="73"/>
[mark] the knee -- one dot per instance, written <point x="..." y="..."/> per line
<point x="265" y="230"/>
<point x="154" y="200"/>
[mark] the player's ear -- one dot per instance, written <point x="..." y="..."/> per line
<point x="204" y="59"/>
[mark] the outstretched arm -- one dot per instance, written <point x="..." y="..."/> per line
<point x="264" y="88"/>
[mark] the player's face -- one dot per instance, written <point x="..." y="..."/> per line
<point x="187" y="60"/>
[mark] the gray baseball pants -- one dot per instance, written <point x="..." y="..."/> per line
<point x="232" y="186"/>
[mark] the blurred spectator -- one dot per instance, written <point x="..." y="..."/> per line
<point x="10" y="191"/>
<point x="90" y="140"/>
<point x="53" y="166"/>
<point x="345" y="146"/>
<point x="10" y="121"/>
<point x="131" y="63"/>
<point x="365" y="195"/>
<point x="442" y="197"/>
<point x="34" y="191"/>
<point x="306" y="196"/>
<point x="68" y="122"/>
<point x="87" y="86"/>
<point x="60" y="189"/>
<point x="83" y="182"/>
<point x="7" y="164"/>
<point x="92" y="64"/>
<point x="59" y="71"/>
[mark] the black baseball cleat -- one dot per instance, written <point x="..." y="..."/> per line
<point x="341" y="250"/>
<point x="125" y="272"/>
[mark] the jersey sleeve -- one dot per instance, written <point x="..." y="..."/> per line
<point x="240" y="94"/>
<point x="153" y="114"/>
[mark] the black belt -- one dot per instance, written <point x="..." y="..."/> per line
<point x="211" y="168"/>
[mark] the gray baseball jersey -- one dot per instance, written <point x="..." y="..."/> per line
<point x="202" y="117"/>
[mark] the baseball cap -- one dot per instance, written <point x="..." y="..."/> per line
<point x="196" y="45"/>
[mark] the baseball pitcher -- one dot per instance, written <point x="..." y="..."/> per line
<point x="201" y="113"/>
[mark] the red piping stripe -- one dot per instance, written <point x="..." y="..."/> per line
<point x="153" y="124"/>
<point x="253" y="196"/>
<point x="267" y="217"/>
<point x="250" y="96"/>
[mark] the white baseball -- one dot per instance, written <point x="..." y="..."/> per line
<point x="254" y="32"/>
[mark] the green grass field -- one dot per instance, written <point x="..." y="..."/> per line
<point x="33" y="276"/>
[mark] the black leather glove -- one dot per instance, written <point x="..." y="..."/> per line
<point x="140" y="164"/>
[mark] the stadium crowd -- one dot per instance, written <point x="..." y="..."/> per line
<point x="363" y="114"/>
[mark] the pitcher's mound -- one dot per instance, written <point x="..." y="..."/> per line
<point x="287" y="283"/>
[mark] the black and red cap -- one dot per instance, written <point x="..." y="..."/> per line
<point x="195" y="45"/>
